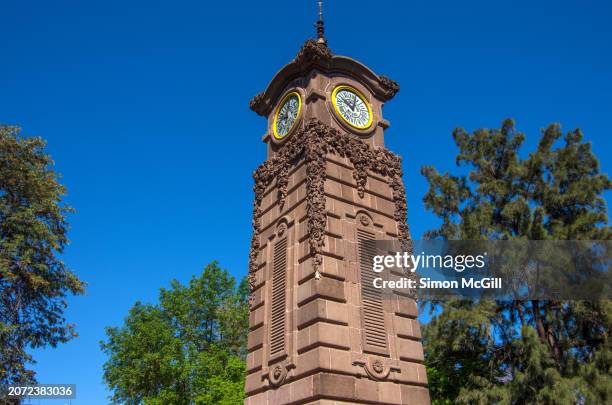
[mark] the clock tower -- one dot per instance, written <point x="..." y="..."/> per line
<point x="319" y="332"/>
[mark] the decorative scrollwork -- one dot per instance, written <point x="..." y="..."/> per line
<point x="375" y="368"/>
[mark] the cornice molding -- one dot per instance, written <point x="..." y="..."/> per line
<point x="315" y="55"/>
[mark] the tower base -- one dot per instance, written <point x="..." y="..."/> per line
<point x="336" y="389"/>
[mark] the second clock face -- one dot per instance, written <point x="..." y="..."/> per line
<point x="287" y="114"/>
<point x="352" y="106"/>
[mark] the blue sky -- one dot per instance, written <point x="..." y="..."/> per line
<point x="145" y="107"/>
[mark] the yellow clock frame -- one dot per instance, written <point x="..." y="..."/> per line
<point x="362" y="96"/>
<point x="297" y="118"/>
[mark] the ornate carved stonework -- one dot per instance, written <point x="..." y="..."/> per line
<point x="281" y="228"/>
<point x="376" y="368"/>
<point x="317" y="55"/>
<point x="313" y="143"/>
<point x="390" y="87"/>
<point x="364" y="219"/>
<point x="282" y="181"/>
<point x="256" y="104"/>
<point x="313" y="51"/>
<point x="277" y="374"/>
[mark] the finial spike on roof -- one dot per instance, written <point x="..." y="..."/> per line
<point x="320" y="25"/>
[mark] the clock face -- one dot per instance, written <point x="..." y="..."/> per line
<point x="287" y="114"/>
<point x="352" y="106"/>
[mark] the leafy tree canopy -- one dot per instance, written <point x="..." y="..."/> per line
<point x="187" y="349"/>
<point x="34" y="282"/>
<point x="520" y="352"/>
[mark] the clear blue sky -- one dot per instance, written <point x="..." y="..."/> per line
<point x="145" y="107"/>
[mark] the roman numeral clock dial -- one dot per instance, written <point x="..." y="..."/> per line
<point x="352" y="107"/>
<point x="287" y="115"/>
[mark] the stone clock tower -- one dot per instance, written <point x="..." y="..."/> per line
<point x="319" y="332"/>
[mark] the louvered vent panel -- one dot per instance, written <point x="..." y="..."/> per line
<point x="279" y="285"/>
<point x="372" y="306"/>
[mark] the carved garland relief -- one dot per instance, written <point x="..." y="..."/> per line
<point x="313" y="143"/>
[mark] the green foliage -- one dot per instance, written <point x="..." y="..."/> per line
<point x="34" y="283"/>
<point x="520" y="352"/>
<point x="187" y="349"/>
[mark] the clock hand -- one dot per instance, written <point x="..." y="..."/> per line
<point x="347" y="102"/>
<point x="352" y="104"/>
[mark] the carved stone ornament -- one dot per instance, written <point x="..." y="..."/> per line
<point x="281" y="229"/>
<point x="364" y="219"/>
<point x="317" y="55"/>
<point x="256" y="104"/>
<point x="313" y="51"/>
<point x="313" y="143"/>
<point x="390" y="87"/>
<point x="376" y="368"/>
<point x="282" y="182"/>
<point x="277" y="374"/>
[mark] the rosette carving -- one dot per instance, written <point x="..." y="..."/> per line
<point x="364" y="219"/>
<point x="277" y="374"/>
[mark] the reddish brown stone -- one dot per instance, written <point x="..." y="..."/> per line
<point x="334" y="386"/>
<point x="313" y="340"/>
<point x="255" y="339"/>
<point x="323" y="334"/>
<point x="410" y="350"/>
<point x="415" y="395"/>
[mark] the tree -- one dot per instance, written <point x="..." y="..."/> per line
<point x="187" y="349"/>
<point x="34" y="282"/>
<point x="532" y="351"/>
